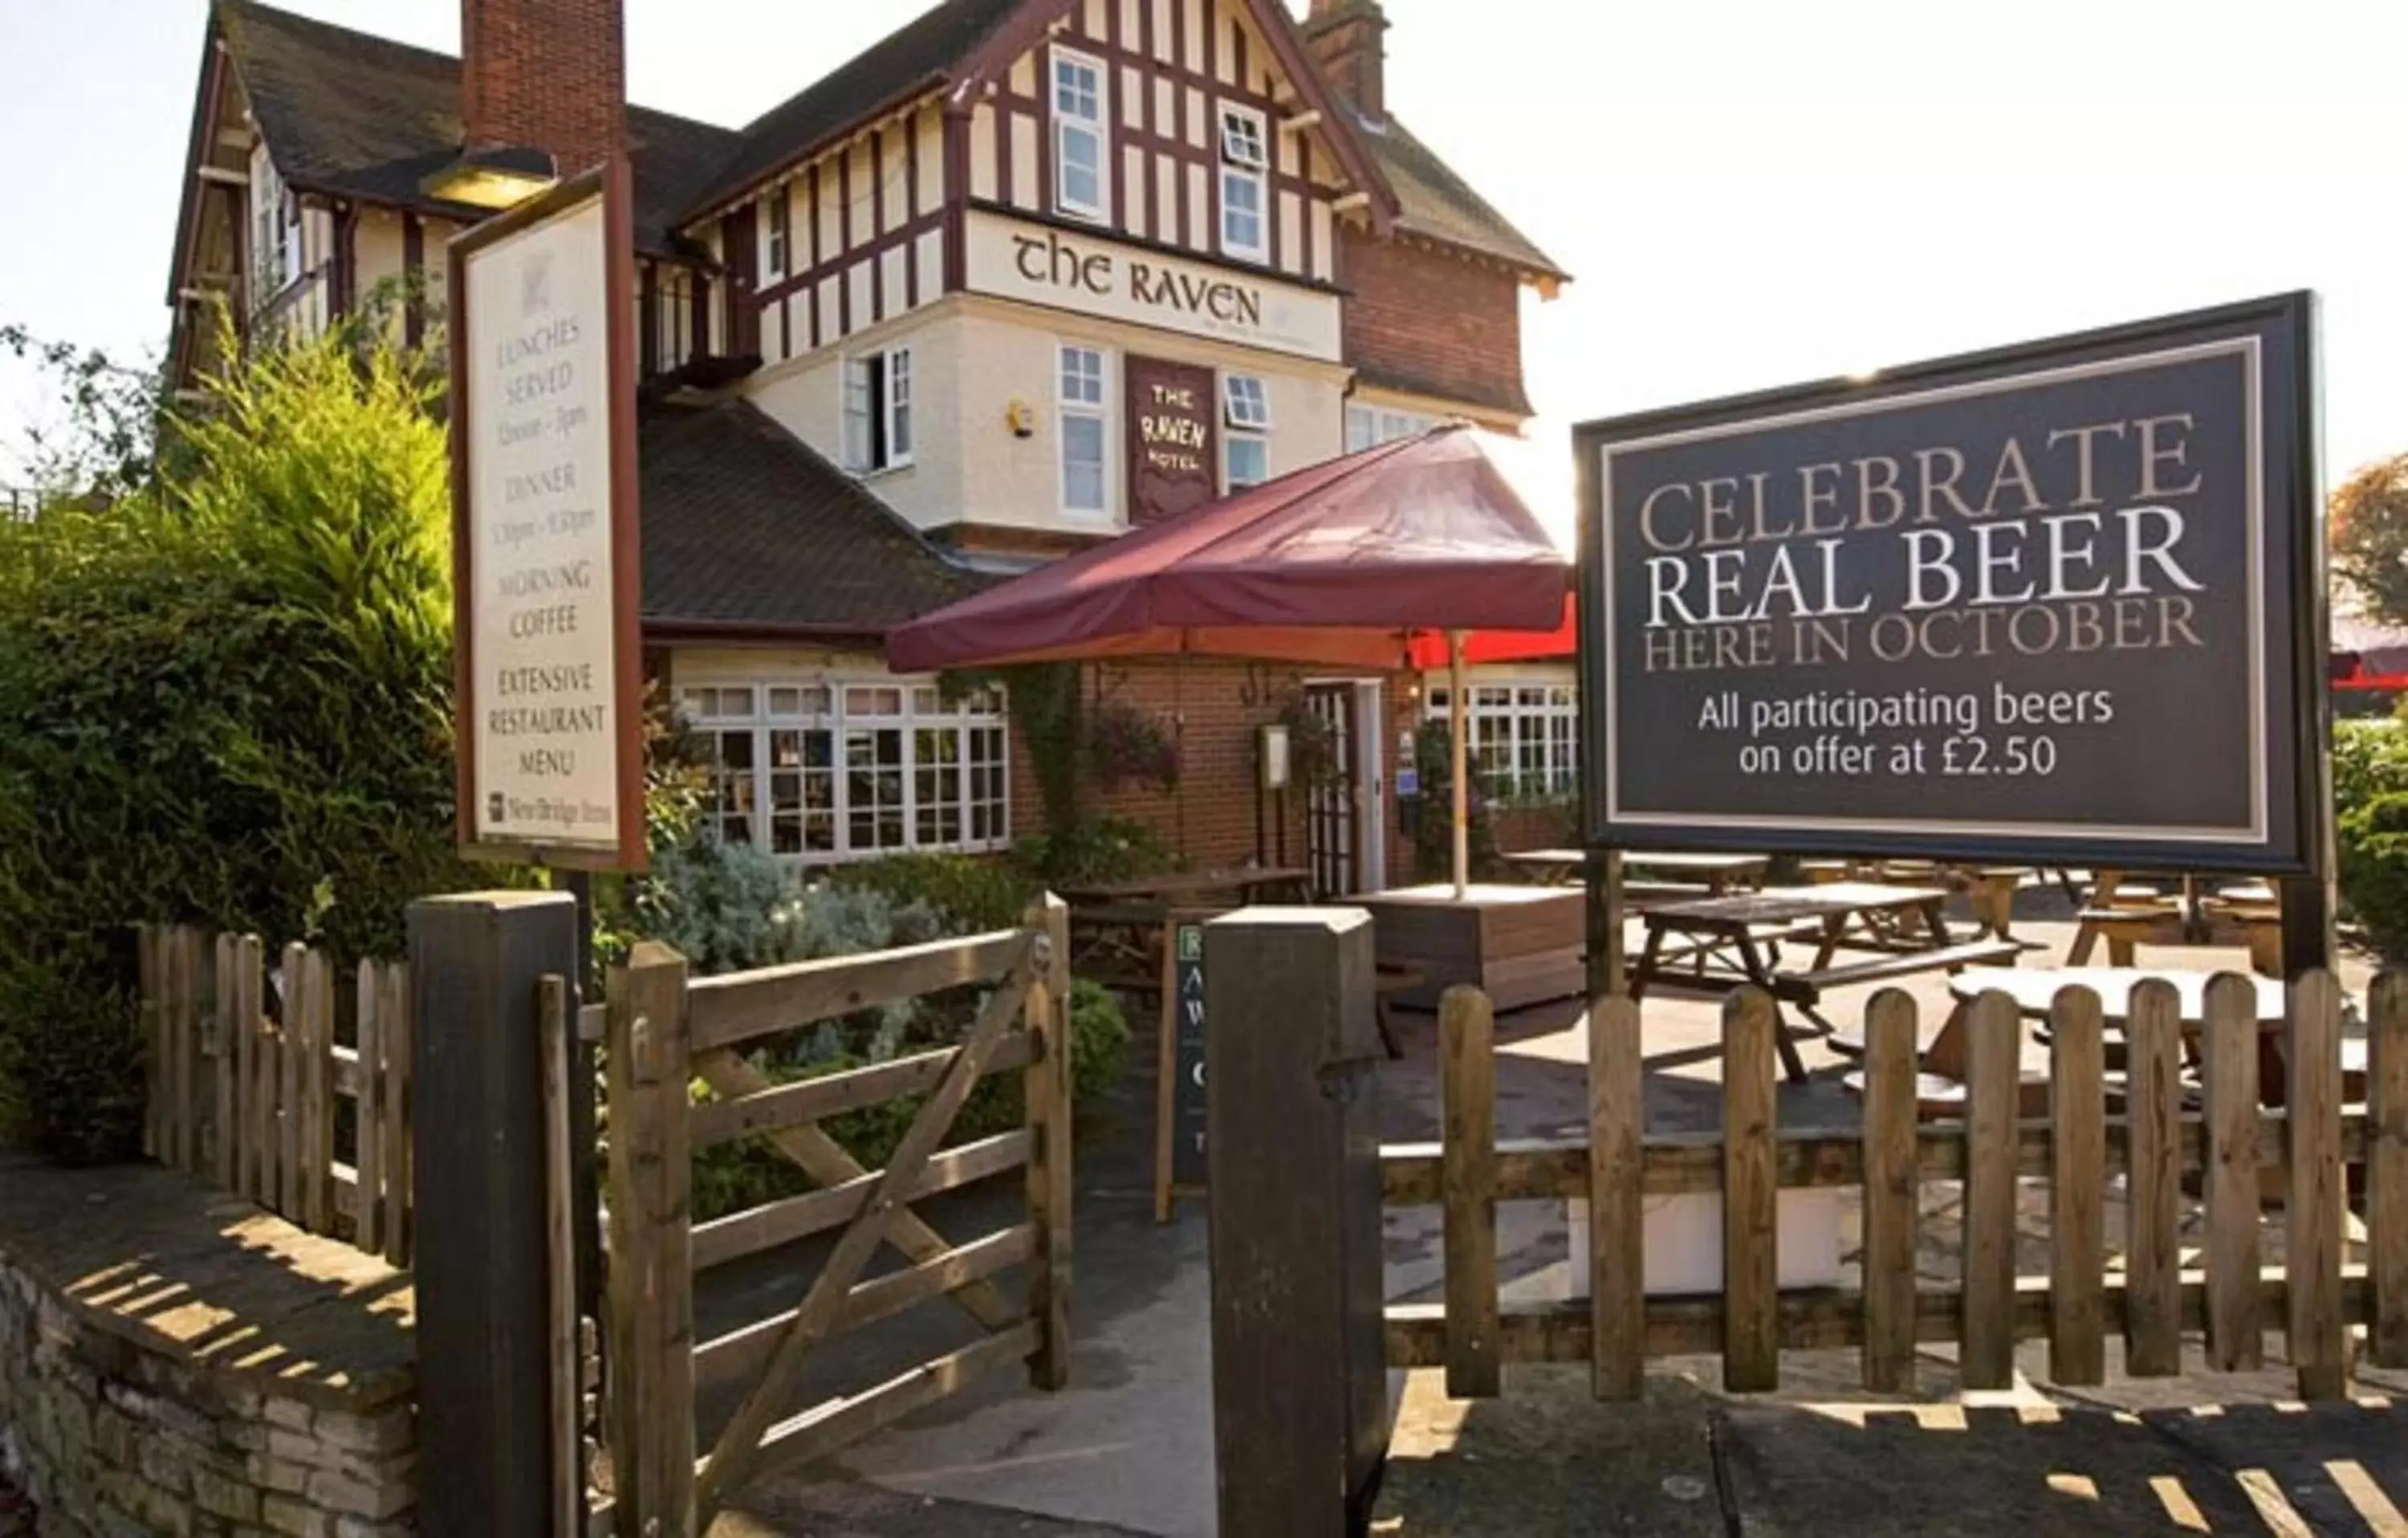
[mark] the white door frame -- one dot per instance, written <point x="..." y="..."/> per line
<point x="1371" y="827"/>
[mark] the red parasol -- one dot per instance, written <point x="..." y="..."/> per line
<point x="1339" y="564"/>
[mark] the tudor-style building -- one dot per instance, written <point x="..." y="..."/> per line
<point x="1023" y="274"/>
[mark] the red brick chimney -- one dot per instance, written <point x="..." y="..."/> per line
<point x="1346" y="37"/>
<point x="548" y="75"/>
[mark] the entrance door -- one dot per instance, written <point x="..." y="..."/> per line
<point x="1333" y="813"/>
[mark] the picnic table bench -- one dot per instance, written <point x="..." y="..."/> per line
<point x="1734" y="942"/>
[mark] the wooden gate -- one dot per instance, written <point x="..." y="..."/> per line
<point x="666" y="1033"/>
<point x="1333" y="815"/>
<point x="2182" y="1123"/>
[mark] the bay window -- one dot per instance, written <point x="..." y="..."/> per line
<point x="1085" y="481"/>
<point x="1081" y="149"/>
<point x="1522" y="738"/>
<point x="1244" y="161"/>
<point x="835" y="770"/>
<point x="1369" y="426"/>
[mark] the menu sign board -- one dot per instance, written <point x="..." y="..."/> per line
<point x="1173" y="440"/>
<point x="2060" y="600"/>
<point x="1181" y="1108"/>
<point x="544" y="528"/>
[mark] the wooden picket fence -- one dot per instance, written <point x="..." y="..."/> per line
<point x="249" y="1080"/>
<point x="666" y="1033"/>
<point x="2332" y="1155"/>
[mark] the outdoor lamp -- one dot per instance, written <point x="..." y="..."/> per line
<point x="494" y="177"/>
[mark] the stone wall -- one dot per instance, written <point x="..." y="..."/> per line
<point x="176" y="1362"/>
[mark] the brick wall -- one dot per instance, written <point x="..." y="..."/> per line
<point x="1216" y="706"/>
<point x="1434" y="323"/>
<point x="545" y="73"/>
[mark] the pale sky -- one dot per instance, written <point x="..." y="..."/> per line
<point x="1749" y="193"/>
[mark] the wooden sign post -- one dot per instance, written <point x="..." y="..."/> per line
<point x="1179" y="1145"/>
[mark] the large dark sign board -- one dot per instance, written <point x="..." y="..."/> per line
<point x="2062" y="599"/>
<point x="1179" y="1108"/>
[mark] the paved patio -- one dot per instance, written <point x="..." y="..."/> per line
<point x="1127" y="1448"/>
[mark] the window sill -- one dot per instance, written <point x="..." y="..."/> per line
<point x="885" y="472"/>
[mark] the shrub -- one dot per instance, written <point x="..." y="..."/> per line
<point x="1434" y="832"/>
<point x="224" y="699"/>
<point x="2371" y="826"/>
<point x="1098" y="849"/>
<point x="972" y="896"/>
<point x="1127" y="745"/>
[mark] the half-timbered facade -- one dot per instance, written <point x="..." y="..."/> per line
<point x="1023" y="274"/>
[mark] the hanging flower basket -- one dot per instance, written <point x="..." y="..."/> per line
<point x="1128" y="746"/>
<point x="1311" y="744"/>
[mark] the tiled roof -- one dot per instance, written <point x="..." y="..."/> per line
<point x="916" y="56"/>
<point x="1433" y="201"/>
<point x="745" y="527"/>
<point x="348" y="112"/>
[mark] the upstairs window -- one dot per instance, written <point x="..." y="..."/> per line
<point x="1246" y="415"/>
<point x="1078" y="135"/>
<point x="1244" y="161"/>
<point x="781" y="233"/>
<point x="878" y="426"/>
<point x="275" y="230"/>
<point x="1083" y="422"/>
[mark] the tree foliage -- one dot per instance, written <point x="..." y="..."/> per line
<point x="106" y="437"/>
<point x="2367" y="522"/>
<point x="224" y="699"/>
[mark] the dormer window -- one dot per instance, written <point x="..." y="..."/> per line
<point x="1244" y="163"/>
<point x="1080" y="146"/>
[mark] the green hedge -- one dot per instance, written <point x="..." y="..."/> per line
<point x="224" y="700"/>
<point x="2371" y="816"/>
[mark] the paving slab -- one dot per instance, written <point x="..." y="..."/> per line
<point x="1547" y="1460"/>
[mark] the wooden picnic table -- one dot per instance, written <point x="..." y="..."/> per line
<point x="1252" y="883"/>
<point x="1719" y="874"/>
<point x="1734" y="942"/>
<point x="1116" y="928"/>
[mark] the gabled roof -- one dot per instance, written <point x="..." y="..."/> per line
<point x="351" y="114"/>
<point x="904" y="63"/>
<point x="1435" y="203"/>
<point x="962" y="43"/>
<point x="747" y="529"/>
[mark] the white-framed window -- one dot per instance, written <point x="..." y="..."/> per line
<point x="1245" y="417"/>
<point x="839" y="770"/>
<point x="1244" y="161"/>
<point x="780" y="227"/>
<point x="672" y="315"/>
<point x="274" y="227"/>
<point x="1081" y="134"/>
<point x="878" y="426"/>
<point x="1086" y="480"/>
<point x="1369" y="426"/>
<point x="1524" y="737"/>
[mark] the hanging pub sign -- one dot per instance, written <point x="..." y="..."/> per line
<point x="544" y="535"/>
<point x="2060" y="599"/>
<point x="1174" y="458"/>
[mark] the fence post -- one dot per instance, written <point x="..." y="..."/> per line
<point x="2387" y="1168"/>
<point x="1046" y="1094"/>
<point x="650" y="1359"/>
<point x="476" y="963"/>
<point x="1299" y="1379"/>
<point x="1467" y="1030"/>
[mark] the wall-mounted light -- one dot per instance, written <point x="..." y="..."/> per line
<point x="1021" y="418"/>
<point x="495" y="178"/>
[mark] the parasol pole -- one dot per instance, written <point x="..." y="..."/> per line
<point x="1458" y="715"/>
